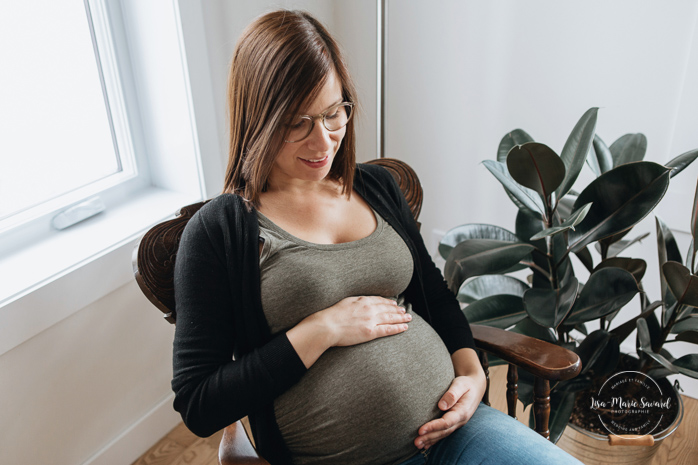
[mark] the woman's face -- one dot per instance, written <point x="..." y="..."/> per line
<point x="311" y="158"/>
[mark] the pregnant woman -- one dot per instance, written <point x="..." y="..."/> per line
<point x="306" y="298"/>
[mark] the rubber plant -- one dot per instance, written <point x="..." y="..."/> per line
<point x="554" y="223"/>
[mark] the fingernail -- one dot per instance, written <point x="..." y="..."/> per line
<point x="443" y="405"/>
<point x="409" y="317"/>
<point x="420" y="445"/>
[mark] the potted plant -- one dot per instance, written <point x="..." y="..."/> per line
<point x="554" y="223"/>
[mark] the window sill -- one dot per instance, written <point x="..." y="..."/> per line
<point x="50" y="280"/>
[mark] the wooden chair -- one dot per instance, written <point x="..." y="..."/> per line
<point x="153" y="267"/>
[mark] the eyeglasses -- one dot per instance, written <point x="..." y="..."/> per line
<point x="334" y="118"/>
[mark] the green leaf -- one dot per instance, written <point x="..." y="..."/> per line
<point x="694" y="227"/>
<point x="529" y="223"/>
<point x="488" y="285"/>
<point x="585" y="257"/>
<point x="682" y="161"/>
<point x="603" y="155"/>
<point x="561" y="407"/>
<point x="599" y="352"/>
<point x="690" y="257"/>
<point x="577" y="384"/>
<point x="476" y="257"/>
<point x="629" y="148"/>
<point x="565" y="206"/>
<point x="635" y="266"/>
<point x="667" y="250"/>
<point x="624" y="330"/>
<point x="666" y="243"/>
<point x="690" y="323"/>
<point x="576" y="149"/>
<point x="645" y="345"/>
<point x="670" y="309"/>
<point x="620" y="246"/>
<point x="473" y="231"/>
<point x="569" y="223"/>
<point x="659" y="373"/>
<point x="643" y="335"/>
<point x="528" y="327"/>
<point x="621" y="198"/>
<point x="688" y="336"/>
<point x="522" y="196"/>
<point x="655" y="331"/>
<point x="548" y="307"/>
<point x="536" y="166"/>
<point x="687" y="365"/>
<point x="607" y="242"/>
<point x="526" y="381"/>
<point x="499" y="311"/>
<point x="511" y="139"/>
<point x="607" y="289"/>
<point x="682" y="284"/>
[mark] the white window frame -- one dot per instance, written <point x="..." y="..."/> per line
<point x="48" y="277"/>
<point x="26" y="226"/>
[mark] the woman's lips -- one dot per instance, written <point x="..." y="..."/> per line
<point x="319" y="163"/>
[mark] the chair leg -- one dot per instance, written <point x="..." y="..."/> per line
<point x="512" y="390"/>
<point x="541" y="406"/>
<point x="486" y="367"/>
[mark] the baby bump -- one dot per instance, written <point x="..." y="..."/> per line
<point x="365" y="403"/>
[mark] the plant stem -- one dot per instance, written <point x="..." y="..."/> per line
<point x="672" y="321"/>
<point x="537" y="268"/>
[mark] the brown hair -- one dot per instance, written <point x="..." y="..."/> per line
<point x="281" y="62"/>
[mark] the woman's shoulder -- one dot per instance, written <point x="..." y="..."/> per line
<point x="222" y="213"/>
<point x="222" y="206"/>
<point x="375" y="179"/>
<point x="372" y="170"/>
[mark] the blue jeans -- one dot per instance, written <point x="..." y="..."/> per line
<point x="493" y="437"/>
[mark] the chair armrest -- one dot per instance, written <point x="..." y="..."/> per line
<point x="542" y="359"/>
<point x="236" y="448"/>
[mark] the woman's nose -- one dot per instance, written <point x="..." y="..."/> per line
<point x="320" y="138"/>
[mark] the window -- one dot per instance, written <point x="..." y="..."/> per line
<point x="123" y="129"/>
<point x="62" y="126"/>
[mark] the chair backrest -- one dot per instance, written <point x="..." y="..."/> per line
<point x="155" y="255"/>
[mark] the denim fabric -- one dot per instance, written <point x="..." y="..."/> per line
<point x="493" y="437"/>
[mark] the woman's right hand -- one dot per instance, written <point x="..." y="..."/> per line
<point x="354" y="320"/>
<point x="351" y="321"/>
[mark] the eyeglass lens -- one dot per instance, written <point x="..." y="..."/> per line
<point x="335" y="118"/>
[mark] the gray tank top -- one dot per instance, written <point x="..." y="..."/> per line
<point x="361" y="404"/>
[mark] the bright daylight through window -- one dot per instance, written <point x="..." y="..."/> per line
<point x="59" y="143"/>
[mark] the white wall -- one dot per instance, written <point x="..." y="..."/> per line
<point x="352" y="23"/>
<point x="81" y="384"/>
<point x="461" y="74"/>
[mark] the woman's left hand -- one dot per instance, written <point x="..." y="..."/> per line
<point x="459" y="404"/>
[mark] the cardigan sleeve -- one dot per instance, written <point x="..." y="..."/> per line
<point x="211" y="389"/>
<point x="447" y="318"/>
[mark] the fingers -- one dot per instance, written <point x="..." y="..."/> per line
<point x="435" y="430"/>
<point x="459" y="402"/>
<point x="458" y="389"/>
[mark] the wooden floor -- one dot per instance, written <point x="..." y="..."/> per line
<point x="180" y="447"/>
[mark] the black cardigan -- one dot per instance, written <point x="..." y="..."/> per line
<point x="220" y="316"/>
